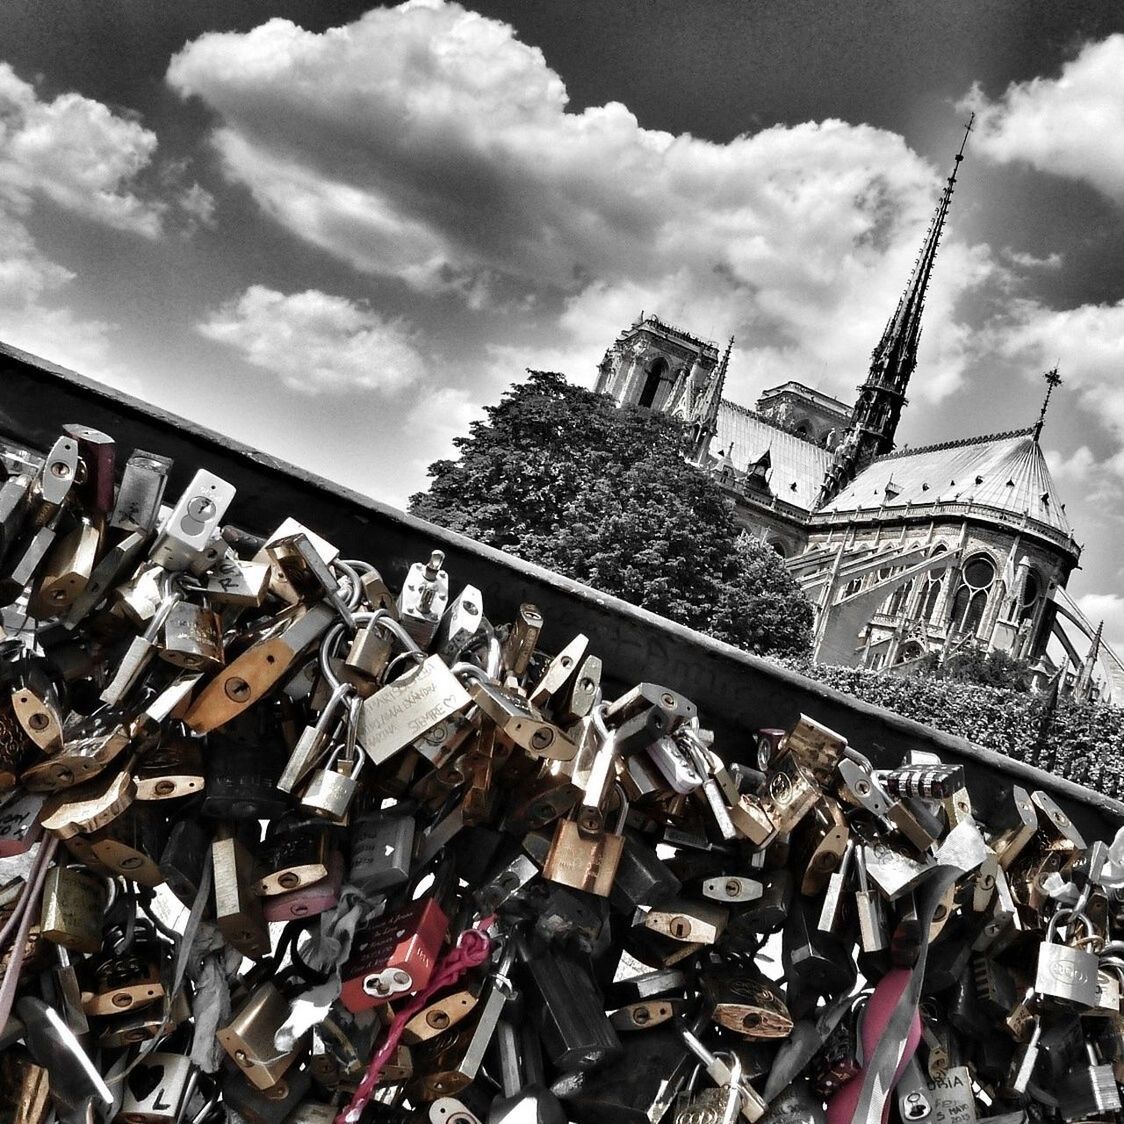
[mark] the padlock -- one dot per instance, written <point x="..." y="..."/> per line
<point x="171" y="770"/>
<point x="382" y="847"/>
<point x="242" y="765"/>
<point x="185" y="535"/>
<point x="238" y="910"/>
<point x="576" y="1032"/>
<point x="66" y="570"/>
<point x="1090" y="1090"/>
<point x="309" y="900"/>
<point x="584" y="861"/>
<point x="746" y="1003"/>
<point x="275" y="1105"/>
<point x="137" y="505"/>
<point x="393" y="954"/>
<point x="695" y="922"/>
<point x="424" y="596"/>
<point x="331" y="789"/>
<point x="443" y="1012"/>
<point x="790" y="794"/>
<point x="73" y="909"/>
<point x="294" y="855"/>
<point x="519" y="645"/>
<point x="191" y="637"/>
<point x="20" y="829"/>
<point x="1066" y="975"/>
<point x="186" y="851"/>
<point x="130" y="844"/>
<point x="156" y="1089"/>
<point x="403" y="710"/>
<point x="89" y="747"/>
<point x="249" y="1037"/>
<point x="128" y="976"/>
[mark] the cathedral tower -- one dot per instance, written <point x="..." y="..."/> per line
<point x="876" y="413"/>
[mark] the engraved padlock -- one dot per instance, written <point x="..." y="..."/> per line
<point x="586" y="860"/>
<point x="331" y="790"/>
<point x="1067" y="974"/>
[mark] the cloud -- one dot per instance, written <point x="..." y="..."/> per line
<point x="77" y="153"/>
<point x="1065" y="125"/>
<point x="1090" y="341"/>
<point x="315" y="342"/>
<point x="426" y="143"/>
<point x="1029" y="261"/>
<point x="1107" y="607"/>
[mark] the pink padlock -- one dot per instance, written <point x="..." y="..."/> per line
<point x="308" y="900"/>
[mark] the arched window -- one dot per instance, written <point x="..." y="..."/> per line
<point x="932" y="593"/>
<point x="898" y="599"/>
<point x="656" y="373"/>
<point x="1032" y="591"/>
<point x="971" y="598"/>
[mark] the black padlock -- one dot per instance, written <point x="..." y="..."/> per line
<point x="576" y="1032"/>
<point x="815" y="963"/>
<point x="244" y="762"/>
<point x="185" y="854"/>
<point x="642" y="878"/>
<point x="637" y="1089"/>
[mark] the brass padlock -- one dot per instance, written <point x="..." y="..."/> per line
<point x="73" y="909"/>
<point x="584" y="860"/>
<point x="129" y="979"/>
<point x="248" y="1037"/>
<point x="191" y="637"/>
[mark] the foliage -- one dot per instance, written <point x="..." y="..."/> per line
<point x="1083" y="742"/>
<point x="560" y="476"/>
<point x="985" y="669"/>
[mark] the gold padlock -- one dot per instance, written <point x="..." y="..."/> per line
<point x="248" y="1037"/>
<point x="73" y="909"/>
<point x="586" y="860"/>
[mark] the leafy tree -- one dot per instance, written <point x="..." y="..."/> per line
<point x="562" y="477"/>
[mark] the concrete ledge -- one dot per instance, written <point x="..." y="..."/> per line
<point x="736" y="693"/>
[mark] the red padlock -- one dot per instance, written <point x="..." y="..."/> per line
<point x="394" y="954"/>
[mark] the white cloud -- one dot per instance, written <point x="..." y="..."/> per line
<point x="427" y="143"/>
<point x="315" y="342"/>
<point x="1029" y="261"/>
<point x="77" y="153"/>
<point x="1089" y="340"/>
<point x="1107" y="607"/>
<point x="1068" y="125"/>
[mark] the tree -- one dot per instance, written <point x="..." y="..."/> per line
<point x="560" y="476"/>
<point x="986" y="669"/>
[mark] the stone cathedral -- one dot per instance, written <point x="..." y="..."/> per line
<point x="903" y="552"/>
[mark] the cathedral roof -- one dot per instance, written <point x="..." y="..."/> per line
<point x="1004" y="472"/>
<point x="795" y="460"/>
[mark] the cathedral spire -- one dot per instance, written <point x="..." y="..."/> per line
<point x="1052" y="379"/>
<point x="876" y="413"/>
<point x="706" y="417"/>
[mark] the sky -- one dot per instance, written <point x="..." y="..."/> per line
<point x="335" y="230"/>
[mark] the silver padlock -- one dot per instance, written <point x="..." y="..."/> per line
<point x="155" y="1089"/>
<point x="330" y="792"/>
<point x="1067" y="975"/>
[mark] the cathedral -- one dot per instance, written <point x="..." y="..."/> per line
<point x="902" y="552"/>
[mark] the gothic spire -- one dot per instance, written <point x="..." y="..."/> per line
<point x="877" y="411"/>
<point x="706" y="416"/>
<point x="1052" y="379"/>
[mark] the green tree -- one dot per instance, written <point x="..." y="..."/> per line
<point x="559" y="476"/>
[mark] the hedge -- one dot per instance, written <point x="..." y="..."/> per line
<point x="1083" y="742"/>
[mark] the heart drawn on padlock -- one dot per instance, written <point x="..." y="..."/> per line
<point x="146" y="1079"/>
